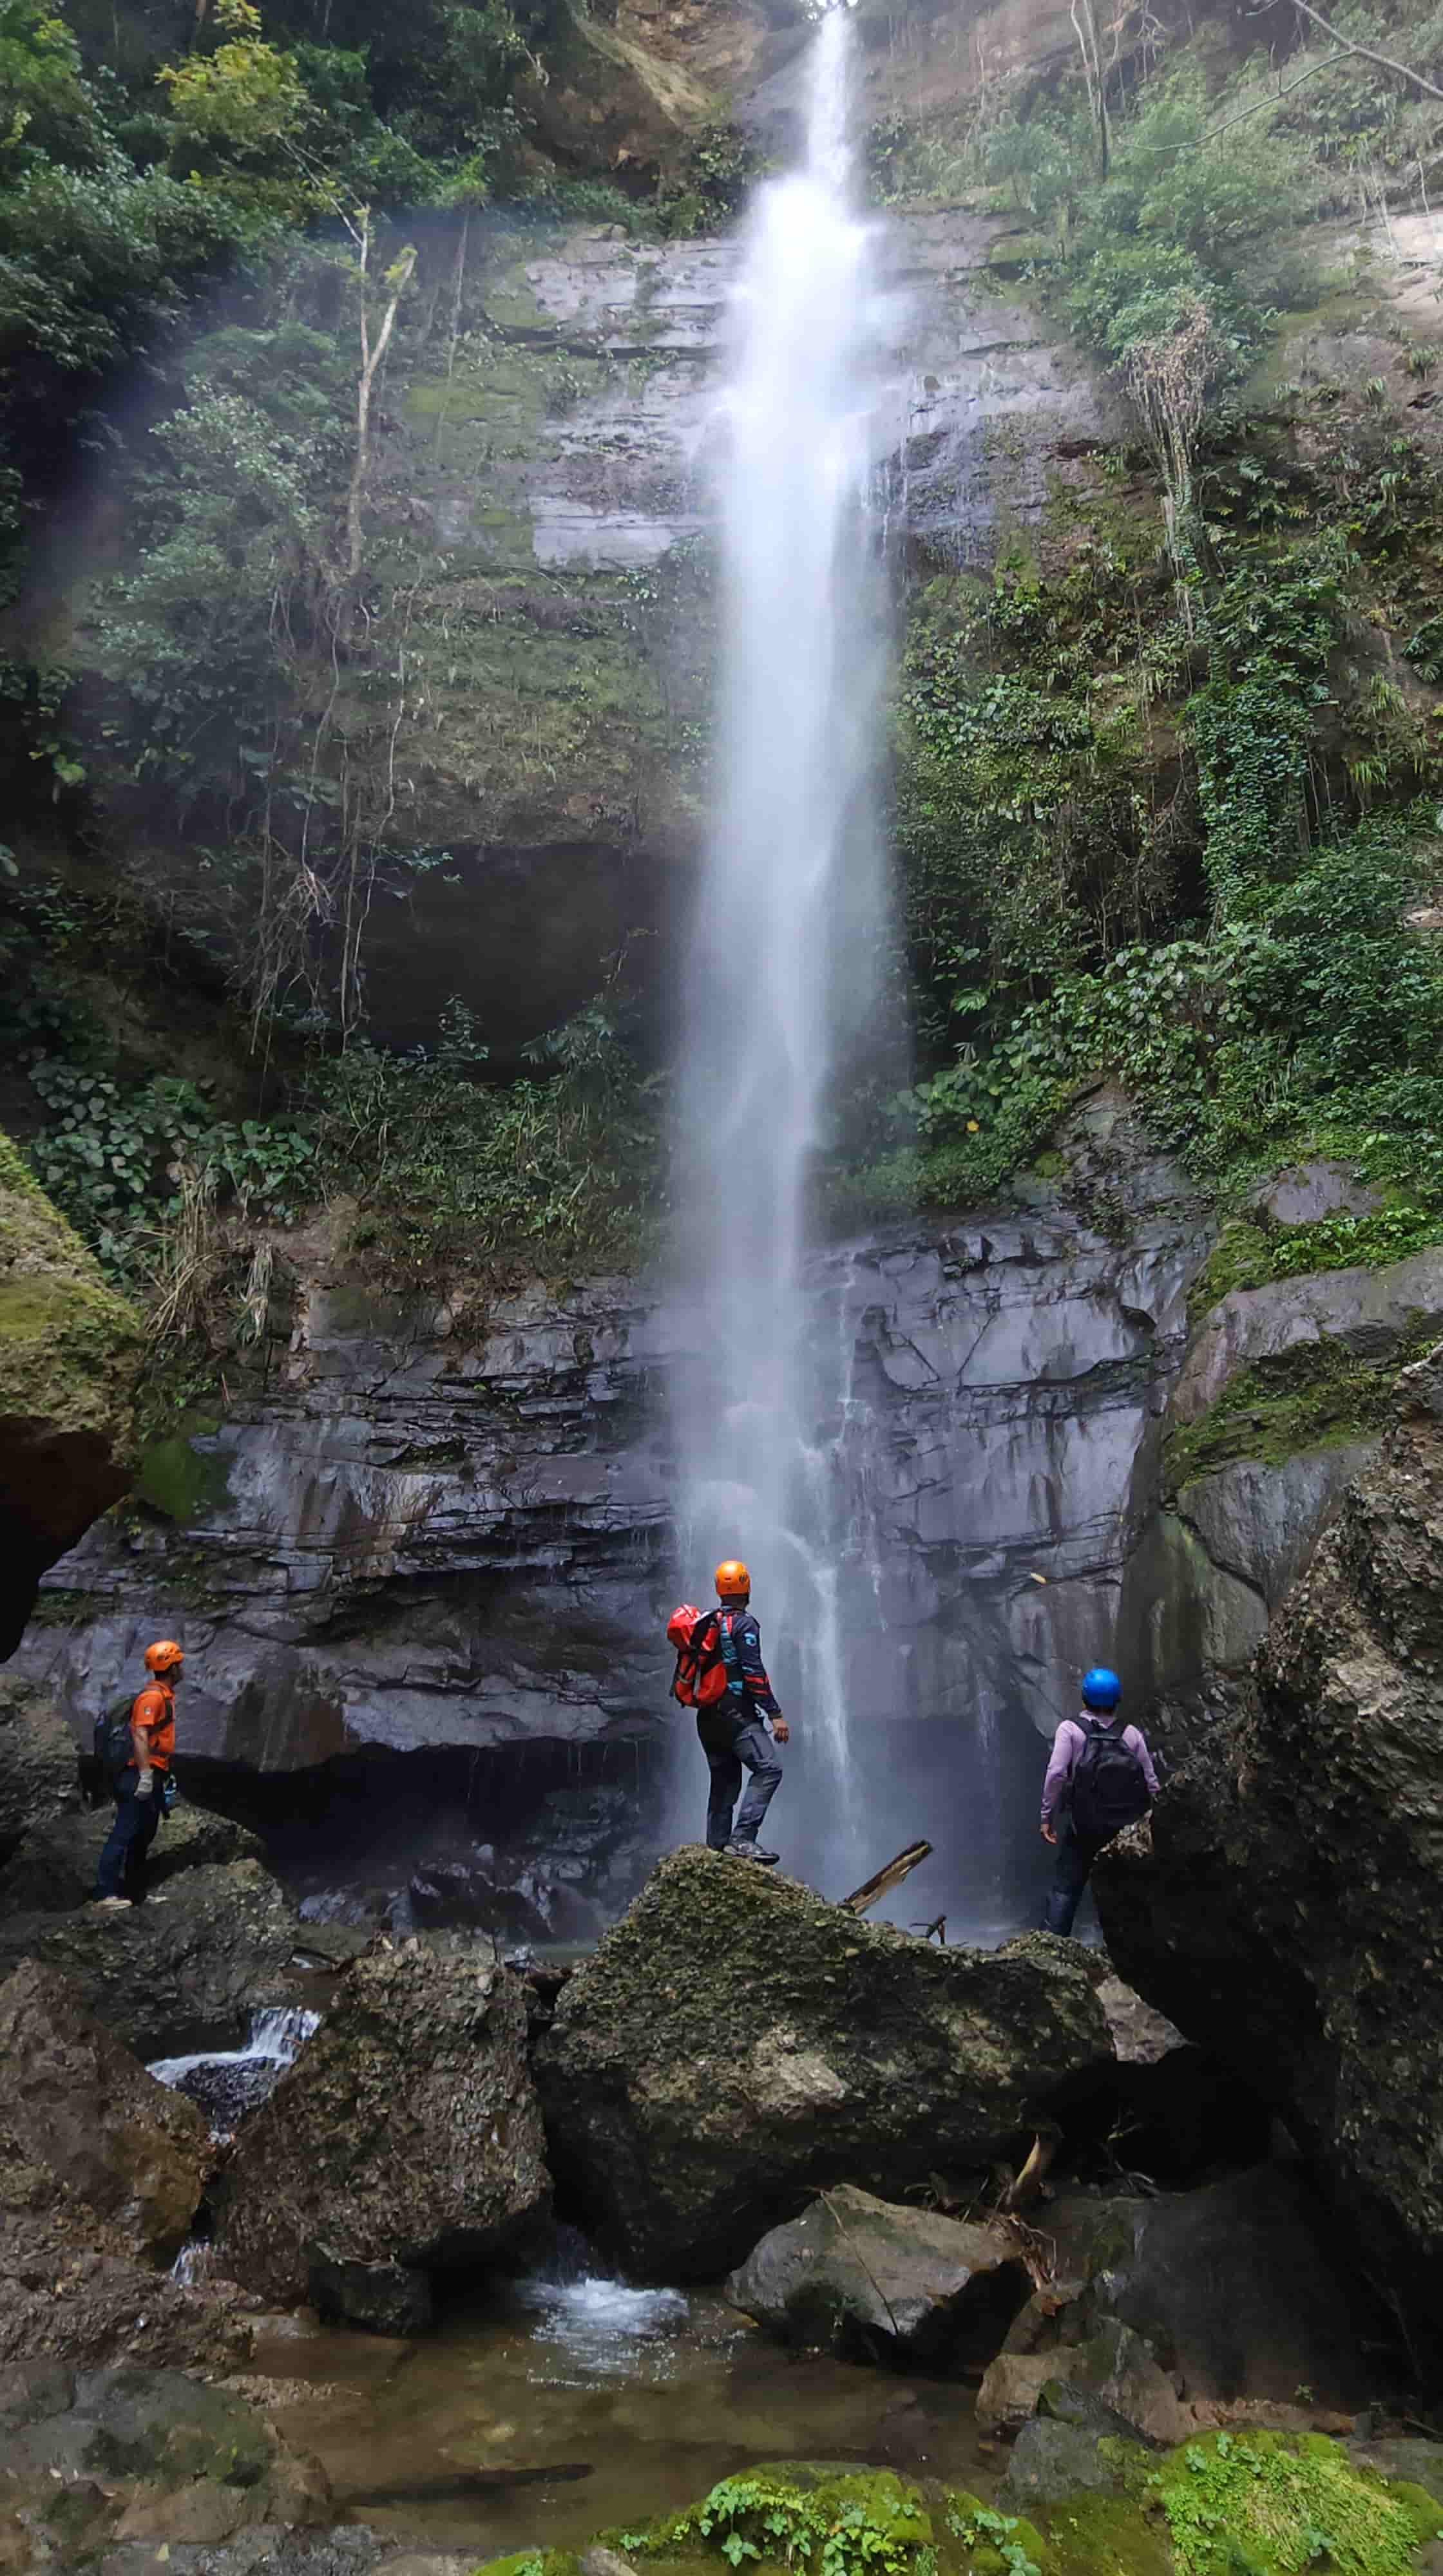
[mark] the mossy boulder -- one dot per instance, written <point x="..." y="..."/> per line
<point x="70" y="1352"/>
<point x="53" y="1870"/>
<point x="405" y="2140"/>
<point x="737" y="2044"/>
<point x="221" y="1948"/>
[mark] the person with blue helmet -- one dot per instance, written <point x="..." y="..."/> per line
<point x="1100" y="1778"/>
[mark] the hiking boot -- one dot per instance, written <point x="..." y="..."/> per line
<point x="750" y="1851"/>
<point x="104" y="1904"/>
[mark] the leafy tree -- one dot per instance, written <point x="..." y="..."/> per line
<point x="239" y="110"/>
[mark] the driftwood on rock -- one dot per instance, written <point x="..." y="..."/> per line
<point x="1028" y="2183"/>
<point x="863" y="1898"/>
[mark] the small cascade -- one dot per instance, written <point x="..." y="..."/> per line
<point x="229" y="2083"/>
<point x="588" y="2325"/>
<point x="194" y="2265"/>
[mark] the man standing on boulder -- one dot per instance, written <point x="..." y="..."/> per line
<point x="1099" y="1779"/>
<point x="141" y="1786"/>
<point x="743" y="1728"/>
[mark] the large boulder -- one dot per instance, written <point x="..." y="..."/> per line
<point x="1281" y="1905"/>
<point x="70" y="1352"/>
<point x="1243" y="2289"/>
<point x="405" y="2139"/>
<point x="867" y="2276"/>
<point x="100" y="2170"/>
<point x="197" y="1961"/>
<point x="53" y="1869"/>
<point x="737" y="2044"/>
<point x="81" y="2114"/>
<point x="67" y="2294"/>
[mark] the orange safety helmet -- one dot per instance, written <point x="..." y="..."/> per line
<point x="732" y="1577"/>
<point x="165" y="1656"/>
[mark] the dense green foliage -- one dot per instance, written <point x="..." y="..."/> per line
<point x="1166" y="783"/>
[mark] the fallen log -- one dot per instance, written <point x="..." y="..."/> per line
<point x="864" y="1897"/>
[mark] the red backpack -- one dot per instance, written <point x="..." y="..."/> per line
<point x="700" y="1678"/>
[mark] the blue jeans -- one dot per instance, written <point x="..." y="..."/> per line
<point x="1072" y="1868"/>
<point x="750" y="1745"/>
<point x="121" y="1870"/>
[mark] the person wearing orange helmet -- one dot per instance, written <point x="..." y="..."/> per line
<point x="743" y="1728"/>
<point x="142" y="1788"/>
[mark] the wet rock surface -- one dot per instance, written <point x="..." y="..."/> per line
<point x="80" y="2111"/>
<point x="52" y="1870"/>
<point x="143" y="2468"/>
<point x="1109" y="2366"/>
<point x="1243" y="2288"/>
<point x="100" y="2170"/>
<point x="1281" y="1904"/>
<point x="215" y="1943"/>
<point x="864" y="2275"/>
<point x="405" y="2139"/>
<point x="736" y="2043"/>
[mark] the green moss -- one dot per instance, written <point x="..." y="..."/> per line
<point x="176" y="1479"/>
<point x="1249" y="1255"/>
<point x="70" y="1349"/>
<point x="1312" y="1397"/>
<point x="1098" y="2535"/>
<point x="1272" y="2504"/>
<point x="1256" y="2504"/>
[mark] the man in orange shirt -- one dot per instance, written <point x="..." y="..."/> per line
<point x="140" y="1787"/>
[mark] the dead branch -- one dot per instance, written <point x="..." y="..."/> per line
<point x="863" y="1898"/>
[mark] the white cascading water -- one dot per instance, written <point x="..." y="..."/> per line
<point x="783" y="988"/>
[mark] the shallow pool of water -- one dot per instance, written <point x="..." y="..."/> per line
<point x="565" y="2404"/>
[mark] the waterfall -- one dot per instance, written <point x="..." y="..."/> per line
<point x="782" y="992"/>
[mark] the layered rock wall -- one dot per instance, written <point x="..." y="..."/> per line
<point x="1282" y="1904"/>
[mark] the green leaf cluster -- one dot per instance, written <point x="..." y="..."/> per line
<point x="110" y="1156"/>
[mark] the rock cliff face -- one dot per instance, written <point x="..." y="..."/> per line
<point x="452" y="1531"/>
<point x="1282" y="1905"/>
<point x="534" y="697"/>
<point x="447" y="1533"/>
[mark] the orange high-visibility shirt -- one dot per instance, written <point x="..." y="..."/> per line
<point x="154" y="1712"/>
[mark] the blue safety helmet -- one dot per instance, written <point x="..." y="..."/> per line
<point x="1101" y="1688"/>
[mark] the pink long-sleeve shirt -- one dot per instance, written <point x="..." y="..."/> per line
<point x="1067" y="1743"/>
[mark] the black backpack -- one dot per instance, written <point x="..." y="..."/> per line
<point x="1108" y="1788"/>
<point x="113" y="1746"/>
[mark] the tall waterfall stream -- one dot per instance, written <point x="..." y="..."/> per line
<point x="783" y="993"/>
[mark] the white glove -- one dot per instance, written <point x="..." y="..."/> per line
<point x="145" y="1785"/>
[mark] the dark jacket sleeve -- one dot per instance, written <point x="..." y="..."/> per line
<point x="746" y="1673"/>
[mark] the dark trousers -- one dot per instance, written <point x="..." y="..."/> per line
<point x="1072" y="1867"/>
<point x="746" y="1745"/>
<point x="121" y="1870"/>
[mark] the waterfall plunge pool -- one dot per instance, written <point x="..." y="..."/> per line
<point x="561" y="2404"/>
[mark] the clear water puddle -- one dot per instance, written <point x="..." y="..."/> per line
<point x="558" y="2407"/>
